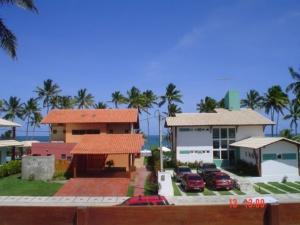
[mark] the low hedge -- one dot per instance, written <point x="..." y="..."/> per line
<point x="12" y="167"/>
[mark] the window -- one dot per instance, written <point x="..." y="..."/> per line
<point x="224" y="133"/>
<point x="63" y="156"/>
<point x="279" y="156"/>
<point x="64" y="131"/>
<point x="111" y="131"/>
<point x="185" y="129"/>
<point x="54" y="132"/>
<point x="231" y="132"/>
<point x="222" y="138"/>
<point x="216" y="144"/>
<point x="216" y="133"/>
<point x="216" y="155"/>
<point x="224" y="144"/>
<point x="69" y="158"/>
<point x="224" y="154"/>
<point x="82" y="132"/>
<point x="126" y="131"/>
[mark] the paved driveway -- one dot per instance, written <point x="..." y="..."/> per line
<point x="94" y="187"/>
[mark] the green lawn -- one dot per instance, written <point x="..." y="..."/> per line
<point x="208" y="192"/>
<point x="130" y="191"/>
<point x="150" y="188"/>
<point x="225" y="193"/>
<point x="260" y="191"/>
<point x="14" y="186"/>
<point x="239" y="192"/>
<point x="294" y="185"/>
<point x="189" y="193"/>
<point x="270" y="188"/>
<point x="176" y="189"/>
<point x="284" y="187"/>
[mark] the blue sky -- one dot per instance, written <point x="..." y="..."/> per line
<point x="204" y="47"/>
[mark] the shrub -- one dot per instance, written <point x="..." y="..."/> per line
<point x="244" y="168"/>
<point x="192" y="165"/>
<point x="10" y="168"/>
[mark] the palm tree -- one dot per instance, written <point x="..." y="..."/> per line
<point x="286" y="133"/>
<point x="295" y="86"/>
<point x="100" y="105"/>
<point x="8" y="40"/>
<point x="30" y="109"/>
<point x="171" y="96"/>
<point x="135" y="99"/>
<point x="84" y="99"/>
<point x="275" y="100"/>
<point x="293" y="115"/>
<point x="117" y="98"/>
<point x="207" y="105"/>
<point x="221" y="103"/>
<point x="48" y="93"/>
<point x="149" y="100"/>
<point x="173" y="109"/>
<point x="1" y="106"/>
<point x="253" y="100"/>
<point x="35" y="122"/>
<point x="65" y="102"/>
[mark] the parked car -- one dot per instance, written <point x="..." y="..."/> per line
<point x="192" y="181"/>
<point x="219" y="180"/>
<point x="207" y="168"/>
<point x="180" y="171"/>
<point x="145" y="200"/>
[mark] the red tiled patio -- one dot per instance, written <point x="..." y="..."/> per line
<point x="94" y="187"/>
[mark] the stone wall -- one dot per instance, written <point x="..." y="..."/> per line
<point x="38" y="167"/>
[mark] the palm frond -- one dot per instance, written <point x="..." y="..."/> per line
<point x="25" y="4"/>
<point x="8" y="40"/>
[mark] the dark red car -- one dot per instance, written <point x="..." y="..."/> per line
<point x="145" y="200"/>
<point x="219" y="180"/>
<point x="192" y="181"/>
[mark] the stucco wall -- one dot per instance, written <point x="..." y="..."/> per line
<point x="59" y="135"/>
<point x="249" y="131"/>
<point x="118" y="128"/>
<point x="120" y="160"/>
<point x="247" y="155"/>
<point x="38" y="167"/>
<point x="284" y="167"/>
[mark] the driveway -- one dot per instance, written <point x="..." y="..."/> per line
<point x="94" y="187"/>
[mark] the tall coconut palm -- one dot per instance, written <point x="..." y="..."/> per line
<point x="293" y="115"/>
<point x="117" y="98"/>
<point x="207" y="105"/>
<point x="171" y="96"/>
<point x="275" y="100"/>
<point x="47" y="93"/>
<point x="173" y="109"/>
<point x="30" y="109"/>
<point x="84" y="100"/>
<point x="135" y="99"/>
<point x="149" y="101"/>
<point x="35" y="122"/>
<point x="295" y="86"/>
<point x="286" y="133"/>
<point x="253" y="100"/>
<point x="1" y="106"/>
<point x="8" y="40"/>
<point x="65" y="102"/>
<point x="100" y="105"/>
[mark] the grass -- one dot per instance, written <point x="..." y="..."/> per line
<point x="14" y="186"/>
<point x="225" y="193"/>
<point x="284" y="187"/>
<point x="294" y="185"/>
<point x="260" y="191"/>
<point x="150" y="188"/>
<point x="176" y="189"/>
<point x="239" y="192"/>
<point x="130" y="191"/>
<point x="189" y="193"/>
<point x="208" y="192"/>
<point x="270" y="188"/>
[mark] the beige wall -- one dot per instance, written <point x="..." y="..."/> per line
<point x="120" y="160"/>
<point x="58" y="132"/>
<point x="118" y="128"/>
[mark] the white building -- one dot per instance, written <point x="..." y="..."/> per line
<point x="212" y="137"/>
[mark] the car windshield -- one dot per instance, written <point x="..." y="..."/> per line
<point x="223" y="177"/>
<point x="184" y="169"/>
<point x="209" y="166"/>
<point x="194" y="178"/>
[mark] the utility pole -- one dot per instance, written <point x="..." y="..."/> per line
<point x="160" y="143"/>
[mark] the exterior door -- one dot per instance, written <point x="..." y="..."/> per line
<point x="95" y="162"/>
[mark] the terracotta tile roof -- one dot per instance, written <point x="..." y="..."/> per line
<point x="92" y="116"/>
<point x="109" y="144"/>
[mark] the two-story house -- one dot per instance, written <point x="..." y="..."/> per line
<point x="93" y="138"/>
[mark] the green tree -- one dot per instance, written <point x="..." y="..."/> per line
<point x="149" y="101"/>
<point x="286" y="133"/>
<point x="30" y="109"/>
<point x="293" y="115"/>
<point x="8" y="40"/>
<point x="207" y="105"/>
<point x="1" y="106"/>
<point x="117" y="98"/>
<point x="84" y="100"/>
<point x="275" y="100"/>
<point x="221" y="103"/>
<point x="295" y="86"/>
<point x="48" y="94"/>
<point x="253" y="100"/>
<point x="135" y="99"/>
<point x="171" y="96"/>
<point x="173" y="109"/>
<point x="66" y="102"/>
<point x="13" y="108"/>
<point x="100" y="105"/>
<point x="35" y="122"/>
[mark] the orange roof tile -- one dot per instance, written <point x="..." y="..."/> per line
<point x="92" y="116"/>
<point x="109" y="144"/>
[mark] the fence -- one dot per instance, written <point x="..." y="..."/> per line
<point x="277" y="214"/>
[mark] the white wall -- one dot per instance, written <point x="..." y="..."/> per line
<point x="249" y="131"/>
<point x="247" y="155"/>
<point x="165" y="187"/>
<point x="280" y="167"/>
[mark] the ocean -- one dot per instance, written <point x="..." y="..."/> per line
<point x="151" y="141"/>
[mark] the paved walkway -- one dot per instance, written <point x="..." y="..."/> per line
<point x="94" y="187"/>
<point x="140" y="179"/>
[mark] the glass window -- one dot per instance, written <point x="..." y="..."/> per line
<point x="216" y="154"/>
<point x="231" y="132"/>
<point x="63" y="156"/>
<point x="231" y="141"/>
<point x="216" y="133"/>
<point x="224" y="144"/>
<point x="224" y="154"/>
<point x="216" y="144"/>
<point x="224" y="133"/>
<point x="54" y="131"/>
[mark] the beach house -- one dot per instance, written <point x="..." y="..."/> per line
<point x="223" y="137"/>
<point x="93" y="138"/>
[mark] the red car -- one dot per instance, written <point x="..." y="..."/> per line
<point x="192" y="181"/>
<point x="219" y="180"/>
<point x="145" y="200"/>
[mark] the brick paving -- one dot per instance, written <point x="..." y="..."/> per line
<point x="140" y="178"/>
<point x="94" y="187"/>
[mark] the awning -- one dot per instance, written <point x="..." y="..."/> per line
<point x="109" y="144"/>
<point x="260" y="142"/>
<point x="7" y="123"/>
<point x="10" y="143"/>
